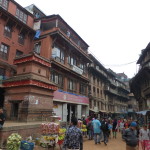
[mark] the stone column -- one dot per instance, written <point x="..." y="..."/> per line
<point x="79" y="111"/>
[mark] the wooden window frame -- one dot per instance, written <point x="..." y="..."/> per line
<point x="3" y="53"/>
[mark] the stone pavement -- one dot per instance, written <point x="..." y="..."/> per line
<point x="113" y="144"/>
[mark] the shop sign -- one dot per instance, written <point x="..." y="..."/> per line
<point x="70" y="97"/>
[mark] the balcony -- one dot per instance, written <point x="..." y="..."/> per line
<point x="55" y="21"/>
<point x="108" y="89"/>
<point x="77" y="69"/>
<point x="4" y="4"/>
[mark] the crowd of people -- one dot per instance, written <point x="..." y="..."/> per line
<point x="102" y="130"/>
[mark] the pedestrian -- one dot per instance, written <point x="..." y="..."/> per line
<point x="130" y="136"/>
<point x="84" y="126"/>
<point x="105" y="130"/>
<point x="90" y="129"/>
<point x="114" y="128"/>
<point x="97" y="131"/>
<point x="2" y="118"/>
<point x="144" y="136"/>
<point x="122" y="126"/>
<point x="73" y="138"/>
<point x="110" y="128"/>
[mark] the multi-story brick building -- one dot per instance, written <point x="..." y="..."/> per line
<point x="117" y="94"/>
<point x="107" y="94"/>
<point x="140" y="83"/>
<point x="16" y="37"/>
<point x="52" y="39"/>
<point x="24" y="73"/>
<point x="98" y="79"/>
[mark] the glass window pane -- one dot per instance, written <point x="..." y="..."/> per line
<point x="5" y="3"/>
<point x="17" y="12"/>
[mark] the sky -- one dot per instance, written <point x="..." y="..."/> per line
<point x="115" y="30"/>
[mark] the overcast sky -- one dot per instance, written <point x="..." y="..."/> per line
<point x="115" y="30"/>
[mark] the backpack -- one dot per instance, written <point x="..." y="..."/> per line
<point x="90" y="126"/>
<point x="104" y="126"/>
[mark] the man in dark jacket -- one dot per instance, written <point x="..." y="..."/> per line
<point x="105" y="129"/>
<point x="130" y="136"/>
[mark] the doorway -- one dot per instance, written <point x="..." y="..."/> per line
<point x="14" y="111"/>
<point x="71" y="109"/>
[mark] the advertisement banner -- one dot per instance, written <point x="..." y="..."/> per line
<point x="70" y="97"/>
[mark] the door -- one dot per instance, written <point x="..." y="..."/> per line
<point x="14" y="111"/>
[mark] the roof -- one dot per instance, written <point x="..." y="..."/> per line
<point x="32" y="6"/>
<point x="143" y="53"/>
<point x="60" y="18"/>
<point x="93" y="57"/>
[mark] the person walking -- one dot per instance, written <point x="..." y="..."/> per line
<point x="144" y="136"/>
<point x="114" y="128"/>
<point x="97" y="131"/>
<point x="122" y="126"/>
<point x="2" y="118"/>
<point x="73" y="138"/>
<point x="105" y="130"/>
<point x="130" y="136"/>
<point x="90" y="129"/>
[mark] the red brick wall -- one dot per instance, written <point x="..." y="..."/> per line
<point x="12" y="9"/>
<point x="24" y="130"/>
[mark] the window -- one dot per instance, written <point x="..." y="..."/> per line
<point x="94" y="94"/>
<point x="58" y="54"/>
<point x="37" y="47"/>
<point x="18" y="53"/>
<point x="71" y="85"/>
<point x="4" y="49"/>
<point x="57" y="79"/>
<point x="4" y="4"/>
<point x="83" y="88"/>
<point x="21" y="16"/>
<point x="21" y="38"/>
<point x="72" y="60"/>
<point x="97" y="92"/>
<point x="8" y="30"/>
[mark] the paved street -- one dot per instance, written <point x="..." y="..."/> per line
<point x="114" y="144"/>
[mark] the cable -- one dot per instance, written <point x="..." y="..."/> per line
<point x="119" y="65"/>
<point x="114" y="65"/>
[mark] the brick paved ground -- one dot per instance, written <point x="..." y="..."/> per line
<point x="113" y="144"/>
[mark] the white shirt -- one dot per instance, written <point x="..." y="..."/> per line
<point x="121" y="125"/>
<point x="144" y="134"/>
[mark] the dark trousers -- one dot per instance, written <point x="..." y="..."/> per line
<point x="105" y="134"/>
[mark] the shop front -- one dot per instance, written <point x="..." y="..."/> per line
<point x="68" y="105"/>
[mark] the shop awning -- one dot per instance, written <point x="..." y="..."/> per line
<point x="103" y="111"/>
<point x="143" y="112"/>
<point x="93" y="110"/>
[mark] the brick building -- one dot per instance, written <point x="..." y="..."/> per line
<point x="98" y="79"/>
<point x="140" y="83"/>
<point x="107" y="94"/>
<point x="26" y="92"/>
<point x="28" y="31"/>
<point x="68" y="53"/>
<point x="16" y="38"/>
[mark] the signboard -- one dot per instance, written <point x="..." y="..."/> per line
<point x="70" y="97"/>
<point x="77" y="69"/>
